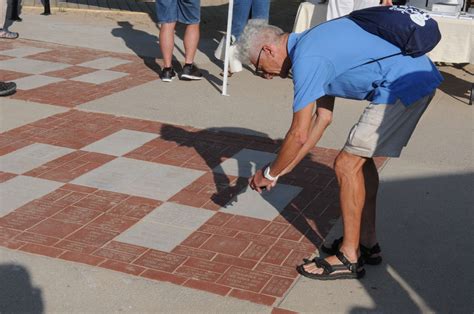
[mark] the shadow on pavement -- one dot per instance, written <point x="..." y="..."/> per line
<point x="17" y="295"/>
<point x="456" y="86"/>
<point x="426" y="234"/>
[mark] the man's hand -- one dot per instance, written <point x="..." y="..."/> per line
<point x="258" y="182"/>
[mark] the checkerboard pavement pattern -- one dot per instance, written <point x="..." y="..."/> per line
<point x="68" y="76"/>
<point x="164" y="202"/>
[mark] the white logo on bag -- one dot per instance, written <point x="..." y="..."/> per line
<point x="416" y="15"/>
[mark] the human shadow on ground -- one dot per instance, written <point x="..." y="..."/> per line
<point x="457" y="87"/>
<point x="17" y="294"/>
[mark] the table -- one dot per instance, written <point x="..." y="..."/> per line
<point x="456" y="45"/>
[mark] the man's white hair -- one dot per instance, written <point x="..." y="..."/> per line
<point x="257" y="33"/>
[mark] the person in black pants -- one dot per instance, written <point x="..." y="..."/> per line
<point x="15" y="16"/>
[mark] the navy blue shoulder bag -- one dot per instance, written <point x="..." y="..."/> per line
<point x="407" y="27"/>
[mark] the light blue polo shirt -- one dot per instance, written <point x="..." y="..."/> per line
<point x="332" y="59"/>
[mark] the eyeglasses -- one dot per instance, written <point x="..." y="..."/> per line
<point x="258" y="72"/>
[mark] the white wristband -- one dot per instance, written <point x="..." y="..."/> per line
<point x="267" y="175"/>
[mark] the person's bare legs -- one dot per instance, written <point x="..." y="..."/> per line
<point x="191" y="41"/>
<point x="368" y="236"/>
<point x="349" y="173"/>
<point x="167" y="42"/>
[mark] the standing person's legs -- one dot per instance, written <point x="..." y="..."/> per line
<point x="368" y="237"/>
<point x="260" y="9"/>
<point x="167" y="15"/>
<point x="167" y="43"/>
<point x="191" y="41"/>
<point x="241" y="13"/>
<point x="189" y="13"/>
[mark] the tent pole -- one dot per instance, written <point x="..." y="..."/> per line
<point x="227" y="46"/>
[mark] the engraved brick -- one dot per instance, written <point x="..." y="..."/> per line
<point x="188" y="251"/>
<point x="255" y="251"/>
<point x="39" y="208"/>
<point x="247" y="224"/>
<point x="295" y="258"/>
<point x="37" y="238"/>
<point x="275" y="229"/>
<point x="206" y="265"/>
<point x="218" y="230"/>
<point x="276" y="255"/>
<point x="277" y="270"/>
<point x="115" y="255"/>
<point x="162" y="276"/>
<point x="76" y="247"/>
<point x="253" y="297"/>
<point x="113" y="223"/>
<point x="225" y="245"/>
<point x="277" y="286"/>
<point x="198" y="274"/>
<point x="196" y="239"/>
<point x="298" y="246"/>
<point x="41" y="249"/>
<point x="125" y="247"/>
<point x="82" y="258"/>
<point x="207" y="286"/>
<point x="123" y="267"/>
<point x="257" y="238"/>
<point x="160" y="260"/>
<point x="101" y="201"/>
<point x="244" y="279"/>
<point x="78" y="215"/>
<point x="55" y="228"/>
<point x="219" y="219"/>
<point x="19" y="221"/>
<point x="234" y="261"/>
<point x="93" y="236"/>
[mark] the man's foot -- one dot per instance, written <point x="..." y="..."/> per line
<point x="191" y="72"/>
<point x="333" y="267"/>
<point x="167" y="74"/>
<point x="5" y="34"/>
<point x="7" y="88"/>
<point x="370" y="255"/>
<point x="16" y="18"/>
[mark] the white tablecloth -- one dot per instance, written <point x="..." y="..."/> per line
<point x="456" y="45"/>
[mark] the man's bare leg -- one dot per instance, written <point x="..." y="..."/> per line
<point x="368" y="237"/>
<point x="191" y="41"/>
<point x="349" y="173"/>
<point x="167" y="43"/>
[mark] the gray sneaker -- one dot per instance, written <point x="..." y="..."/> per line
<point x="191" y="73"/>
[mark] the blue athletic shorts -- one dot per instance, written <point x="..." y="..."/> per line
<point x="184" y="11"/>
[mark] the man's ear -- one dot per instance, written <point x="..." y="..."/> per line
<point x="269" y="50"/>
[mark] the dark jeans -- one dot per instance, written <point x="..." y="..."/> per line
<point x="243" y="9"/>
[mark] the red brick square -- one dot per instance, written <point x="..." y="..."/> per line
<point x="225" y="245"/>
<point x="217" y="230"/>
<point x="40" y="209"/>
<point x="92" y="236"/>
<point x="135" y="207"/>
<point x="55" y="228"/>
<point x="257" y="238"/>
<point x="160" y="260"/>
<point x="244" y="279"/>
<point x="123" y="267"/>
<point x="234" y="261"/>
<point x="277" y="286"/>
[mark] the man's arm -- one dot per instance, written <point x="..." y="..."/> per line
<point x="305" y="131"/>
<point x="322" y="118"/>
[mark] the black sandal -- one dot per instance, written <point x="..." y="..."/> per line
<point x="365" y="252"/>
<point x="356" y="269"/>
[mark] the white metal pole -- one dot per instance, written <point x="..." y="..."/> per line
<point x="227" y="47"/>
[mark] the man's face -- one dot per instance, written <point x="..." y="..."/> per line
<point x="269" y="62"/>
